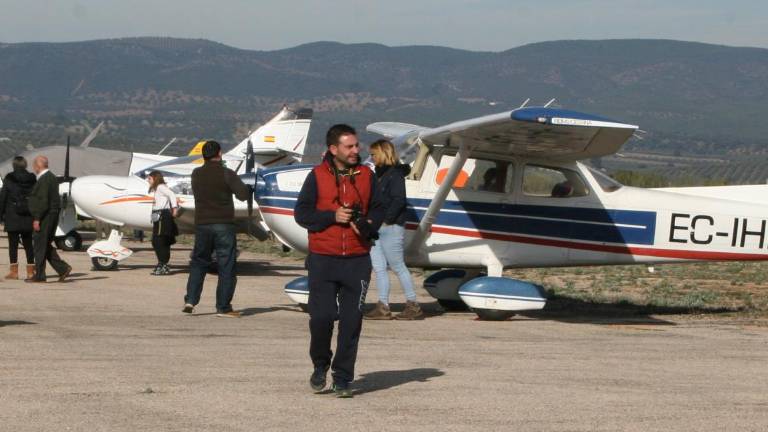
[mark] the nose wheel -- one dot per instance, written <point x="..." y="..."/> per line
<point x="104" y="264"/>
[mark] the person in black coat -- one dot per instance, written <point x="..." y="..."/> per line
<point x="15" y="215"/>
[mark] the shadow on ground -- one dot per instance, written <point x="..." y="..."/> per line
<point x="384" y="380"/>
<point x="244" y="312"/>
<point x="146" y="247"/>
<point x="15" y="323"/>
<point x="265" y="268"/>
<point x="578" y="311"/>
<point x="431" y="309"/>
<point x="573" y="310"/>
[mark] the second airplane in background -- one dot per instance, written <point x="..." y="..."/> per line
<point x="124" y="200"/>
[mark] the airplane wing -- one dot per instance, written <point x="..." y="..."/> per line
<point x="541" y="132"/>
<point x="183" y="160"/>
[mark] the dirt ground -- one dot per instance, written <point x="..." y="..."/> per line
<point x="112" y="352"/>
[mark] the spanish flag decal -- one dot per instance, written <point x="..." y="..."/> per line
<point x="269" y="138"/>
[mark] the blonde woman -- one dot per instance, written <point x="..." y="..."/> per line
<point x="164" y="230"/>
<point x="388" y="251"/>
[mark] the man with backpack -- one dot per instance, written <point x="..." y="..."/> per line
<point x="15" y="216"/>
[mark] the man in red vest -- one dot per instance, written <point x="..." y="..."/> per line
<point x="340" y="208"/>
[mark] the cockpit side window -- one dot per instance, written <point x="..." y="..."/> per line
<point x="553" y="182"/>
<point x="482" y="175"/>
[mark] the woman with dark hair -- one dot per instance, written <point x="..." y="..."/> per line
<point x="164" y="209"/>
<point x="15" y="215"/>
<point x="388" y="251"/>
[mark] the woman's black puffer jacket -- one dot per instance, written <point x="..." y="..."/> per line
<point x="16" y="187"/>
<point x="392" y="191"/>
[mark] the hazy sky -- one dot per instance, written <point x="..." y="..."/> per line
<point x="471" y="24"/>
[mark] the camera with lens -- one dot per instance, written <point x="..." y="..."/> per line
<point x="357" y="213"/>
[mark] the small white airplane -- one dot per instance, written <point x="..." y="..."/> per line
<point x="124" y="200"/>
<point x="71" y="162"/>
<point x="508" y="191"/>
<point x="66" y="237"/>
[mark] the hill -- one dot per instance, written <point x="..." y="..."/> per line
<point x="692" y="98"/>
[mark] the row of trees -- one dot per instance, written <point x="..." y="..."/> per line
<point x="655" y="180"/>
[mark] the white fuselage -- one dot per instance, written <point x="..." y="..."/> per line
<point x="126" y="201"/>
<point x="477" y="228"/>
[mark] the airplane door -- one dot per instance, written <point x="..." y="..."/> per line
<point x="561" y="215"/>
<point x="473" y="219"/>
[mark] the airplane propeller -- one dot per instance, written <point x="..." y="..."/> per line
<point x="250" y="164"/>
<point x="67" y="178"/>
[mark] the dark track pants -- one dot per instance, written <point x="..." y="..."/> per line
<point x="345" y="280"/>
<point x="44" y="248"/>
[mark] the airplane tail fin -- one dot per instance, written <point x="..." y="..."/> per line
<point x="197" y="150"/>
<point x="279" y="141"/>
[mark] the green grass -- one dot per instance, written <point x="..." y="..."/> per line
<point x="738" y="287"/>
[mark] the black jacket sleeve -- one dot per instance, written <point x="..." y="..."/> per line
<point x="239" y="189"/>
<point x="376" y="209"/>
<point x="369" y="226"/>
<point x="397" y="200"/>
<point x="3" y="200"/>
<point x="306" y="213"/>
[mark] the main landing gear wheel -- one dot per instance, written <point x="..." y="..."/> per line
<point x="104" y="264"/>
<point x="70" y="242"/>
<point x="493" y="315"/>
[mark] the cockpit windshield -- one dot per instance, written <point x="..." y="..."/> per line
<point x="606" y="183"/>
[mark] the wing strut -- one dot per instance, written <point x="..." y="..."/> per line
<point x="425" y="225"/>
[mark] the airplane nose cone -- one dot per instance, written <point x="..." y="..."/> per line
<point x="85" y="193"/>
<point x="101" y="197"/>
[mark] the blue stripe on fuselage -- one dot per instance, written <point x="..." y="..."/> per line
<point x="588" y="224"/>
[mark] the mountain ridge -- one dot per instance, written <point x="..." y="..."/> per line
<point x="692" y="97"/>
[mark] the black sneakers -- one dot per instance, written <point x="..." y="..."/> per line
<point x="161" y="270"/>
<point x="318" y="379"/>
<point x="342" y="390"/>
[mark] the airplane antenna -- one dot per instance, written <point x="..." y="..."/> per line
<point x="173" y="140"/>
<point x="549" y="103"/>
<point x="524" y="103"/>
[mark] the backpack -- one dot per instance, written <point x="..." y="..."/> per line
<point x="21" y="205"/>
<point x="20" y="199"/>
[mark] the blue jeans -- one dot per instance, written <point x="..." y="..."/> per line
<point x="221" y="239"/>
<point x="388" y="250"/>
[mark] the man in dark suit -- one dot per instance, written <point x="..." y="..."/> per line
<point x="44" y="205"/>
